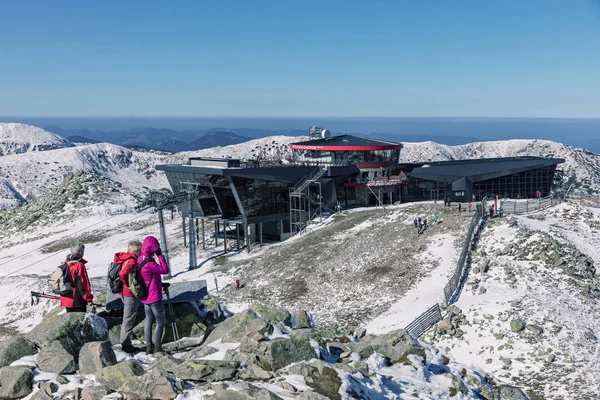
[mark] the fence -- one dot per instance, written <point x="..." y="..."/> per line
<point x="465" y="257"/>
<point x="424" y="321"/>
<point x="585" y="200"/>
<point x="521" y="207"/>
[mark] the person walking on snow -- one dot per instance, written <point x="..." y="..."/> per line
<point x="153" y="306"/>
<point x="459" y="207"/>
<point x="82" y="296"/>
<point x="469" y="206"/>
<point x="237" y="284"/>
<point x="128" y="261"/>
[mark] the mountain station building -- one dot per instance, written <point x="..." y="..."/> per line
<point x="274" y="201"/>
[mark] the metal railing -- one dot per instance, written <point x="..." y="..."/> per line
<point x="424" y="322"/>
<point x="529" y="205"/>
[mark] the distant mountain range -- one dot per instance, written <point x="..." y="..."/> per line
<point x="169" y="140"/>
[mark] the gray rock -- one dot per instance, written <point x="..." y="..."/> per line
<point x="149" y="386"/>
<point x="62" y="380"/>
<point x="395" y="345"/>
<point x="94" y="356"/>
<point x="165" y="365"/>
<point x="360" y="333"/>
<point x="512" y="393"/>
<point x="15" y="348"/>
<point x="273" y="314"/>
<point x="114" y="335"/>
<point x="458" y="386"/>
<point x="45" y="391"/>
<point x="240" y="391"/>
<point x="15" y="382"/>
<point x="324" y="380"/>
<point x="72" y="330"/>
<point x="233" y="329"/>
<point x="306" y="395"/>
<point x="207" y="371"/>
<point x="535" y="329"/>
<point x="255" y="373"/>
<point x="93" y="393"/>
<point x="517" y="325"/>
<point x="41" y="395"/>
<point x="214" y="311"/>
<point x="55" y="359"/>
<point x="199" y="352"/>
<point x="300" y="320"/>
<point x="183" y="343"/>
<point x="115" y="376"/>
<point x="275" y="354"/>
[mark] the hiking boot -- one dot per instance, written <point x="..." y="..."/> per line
<point x="149" y="350"/>
<point x="158" y="350"/>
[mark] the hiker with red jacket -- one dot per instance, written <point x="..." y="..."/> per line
<point x="153" y="306"/>
<point x="78" y="300"/>
<point x="128" y="261"/>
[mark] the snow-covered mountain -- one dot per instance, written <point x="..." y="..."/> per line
<point x="33" y="174"/>
<point x="22" y="138"/>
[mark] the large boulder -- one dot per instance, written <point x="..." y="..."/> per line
<point x="72" y="330"/>
<point x="15" y="348"/>
<point x="207" y="371"/>
<point x="395" y="345"/>
<point x="213" y="311"/>
<point x="199" y="352"/>
<point x="512" y="393"/>
<point x="93" y="393"/>
<point x="115" y="376"/>
<point x="187" y="319"/>
<point x="166" y="365"/>
<point x="233" y="329"/>
<point x="15" y="382"/>
<point x="94" y="356"/>
<point x="517" y="325"/>
<point x="55" y="359"/>
<point x="278" y="353"/>
<point x="148" y="387"/>
<point x="255" y="373"/>
<point x="240" y="391"/>
<point x="300" y="320"/>
<point x="273" y="314"/>
<point x="325" y="380"/>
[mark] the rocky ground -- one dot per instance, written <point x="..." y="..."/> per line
<point x="260" y="353"/>
<point x="531" y="304"/>
<point x="351" y="269"/>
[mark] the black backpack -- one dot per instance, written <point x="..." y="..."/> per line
<point x="136" y="281"/>
<point x="113" y="280"/>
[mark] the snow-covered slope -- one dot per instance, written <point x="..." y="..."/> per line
<point x="273" y="148"/>
<point x="32" y="174"/>
<point x="581" y="167"/>
<point x="22" y="138"/>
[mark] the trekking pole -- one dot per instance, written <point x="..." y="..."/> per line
<point x="37" y="296"/>
<point x="173" y="320"/>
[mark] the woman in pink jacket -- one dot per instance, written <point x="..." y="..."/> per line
<point x="153" y="306"/>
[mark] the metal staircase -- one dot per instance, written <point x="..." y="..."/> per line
<point x="303" y="206"/>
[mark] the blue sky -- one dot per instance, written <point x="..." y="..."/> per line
<point x="300" y="58"/>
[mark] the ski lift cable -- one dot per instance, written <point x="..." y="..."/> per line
<point x="56" y="252"/>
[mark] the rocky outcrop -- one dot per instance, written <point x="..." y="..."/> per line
<point x="395" y="345"/>
<point x="273" y="314"/>
<point x="235" y="328"/>
<point x="55" y="359"/>
<point x="72" y="330"/>
<point x="512" y="393"/>
<point x="166" y="365"/>
<point x="278" y="353"/>
<point x="240" y="391"/>
<point x="207" y="371"/>
<point x="94" y="356"/>
<point x="15" y="348"/>
<point x="115" y="376"/>
<point x="148" y="387"/>
<point x="300" y="320"/>
<point x="15" y="382"/>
